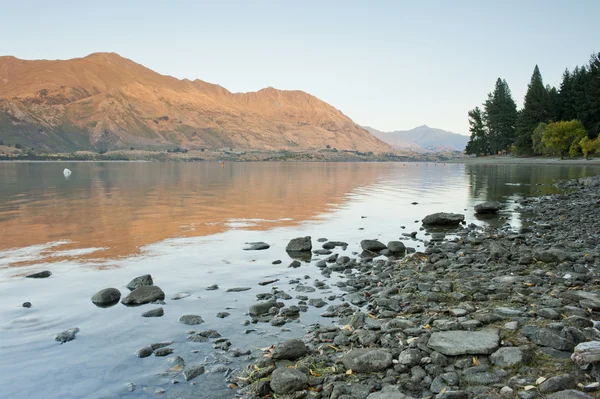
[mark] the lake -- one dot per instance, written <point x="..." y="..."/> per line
<point x="187" y="224"/>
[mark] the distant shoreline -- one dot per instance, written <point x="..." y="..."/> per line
<point x="509" y="160"/>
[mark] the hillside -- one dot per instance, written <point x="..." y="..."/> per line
<point x="104" y="101"/>
<point x="422" y="139"/>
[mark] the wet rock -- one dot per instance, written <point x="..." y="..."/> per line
<point x="239" y="289"/>
<point x="158" y="345"/>
<point x="289" y="350"/>
<point x="144" y="352"/>
<point x="276" y="262"/>
<point x="193" y="371"/>
<point x="106" y="297"/>
<point x="213" y="287"/>
<point x="140" y="281"/>
<point x="367" y="360"/>
<point x="257" y="246"/>
<point x="67" y="335"/>
<point x="300" y="244"/>
<point x="191" y="319"/>
<point x="488" y="207"/>
<point x="180" y="295"/>
<point x="372" y="245"/>
<point x="158" y="312"/>
<point x="511" y="356"/>
<point x="261" y="308"/>
<point x="453" y="343"/>
<point x="267" y="282"/>
<point x="396" y="247"/>
<point x="443" y="219"/>
<point x="317" y="302"/>
<point x="143" y="294"/>
<point x="43" y="274"/>
<point x="26" y="304"/>
<point x="295" y="264"/>
<point x="558" y="383"/>
<point x="160" y="352"/>
<point x="222" y="315"/>
<point x="286" y="380"/>
<point x="568" y="394"/>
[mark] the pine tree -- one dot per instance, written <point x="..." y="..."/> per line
<point x="500" y="117"/>
<point x="535" y="110"/>
<point x="566" y="102"/>
<point x="479" y="142"/>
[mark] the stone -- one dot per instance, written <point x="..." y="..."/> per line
<point x="261" y="308"/>
<point x="67" y="335"/>
<point x="106" y="297"/>
<point x="286" y="380"/>
<point x="222" y="315"/>
<point x="158" y="312"/>
<point x="511" y="356"/>
<point x="443" y="219"/>
<point x="558" y="383"/>
<point x="144" y="352"/>
<point x="547" y="337"/>
<point x="367" y="360"/>
<point x="257" y="246"/>
<point x="300" y="244"/>
<point x="180" y="295"/>
<point x="238" y="289"/>
<point x="26" y="304"/>
<point x="139" y="281"/>
<point x="372" y="245"/>
<point x="289" y="350"/>
<point x="43" y="274"/>
<point x="161" y="352"/>
<point x="396" y="247"/>
<point x="488" y="207"/>
<point x="388" y="395"/>
<point x="568" y="394"/>
<point x="191" y="319"/>
<point x="143" y="294"/>
<point x="193" y="371"/>
<point x="454" y="343"/>
<point x="410" y="357"/>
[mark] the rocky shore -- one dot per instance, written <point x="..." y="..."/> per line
<point x="481" y="313"/>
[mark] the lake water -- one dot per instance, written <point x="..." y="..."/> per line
<point x="187" y="225"/>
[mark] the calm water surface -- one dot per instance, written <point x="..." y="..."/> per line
<point x="187" y="225"/>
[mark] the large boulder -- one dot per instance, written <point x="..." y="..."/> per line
<point x="142" y="295"/>
<point x="286" y="380"/>
<point x="367" y="360"/>
<point x="372" y="245"/>
<point x="488" y="207"/>
<point x="137" y="282"/>
<point x="454" y="343"/>
<point x="443" y="219"/>
<point x="300" y="244"/>
<point x="289" y="350"/>
<point x="106" y="297"/>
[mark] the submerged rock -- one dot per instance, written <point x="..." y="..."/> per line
<point x="143" y="294"/>
<point x="43" y="274"/>
<point x="191" y="319"/>
<point x="193" y="371"/>
<point x="106" y="297"/>
<point x="158" y="312"/>
<point x="67" y="335"/>
<point x="257" y="246"/>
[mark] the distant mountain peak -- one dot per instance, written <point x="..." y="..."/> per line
<point x="422" y="139"/>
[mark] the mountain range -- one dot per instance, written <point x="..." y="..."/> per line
<point x="105" y="101"/>
<point x="422" y="139"/>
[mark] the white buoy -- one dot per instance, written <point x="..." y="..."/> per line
<point x="67" y="172"/>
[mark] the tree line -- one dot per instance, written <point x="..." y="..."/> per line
<point x="551" y="121"/>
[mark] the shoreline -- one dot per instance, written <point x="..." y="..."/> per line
<point x="492" y="313"/>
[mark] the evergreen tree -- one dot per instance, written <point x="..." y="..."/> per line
<point x="535" y="110"/>
<point x="553" y="103"/>
<point x="479" y="142"/>
<point x="500" y="117"/>
<point x="566" y="102"/>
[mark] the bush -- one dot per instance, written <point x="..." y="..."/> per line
<point x="18" y="146"/>
<point x="131" y="148"/>
<point x="562" y="135"/>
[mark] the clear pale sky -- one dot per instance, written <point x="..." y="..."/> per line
<point x="392" y="65"/>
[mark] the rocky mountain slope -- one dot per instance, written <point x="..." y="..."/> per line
<point x="105" y="101"/>
<point x="422" y="139"/>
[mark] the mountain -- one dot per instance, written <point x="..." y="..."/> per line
<point x="105" y="101"/>
<point x="422" y="139"/>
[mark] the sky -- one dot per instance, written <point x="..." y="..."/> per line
<point x="391" y="65"/>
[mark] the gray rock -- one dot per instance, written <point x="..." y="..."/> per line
<point x="222" y="315"/>
<point x="443" y="219"/>
<point x="158" y="312"/>
<point x="372" y="245"/>
<point x="43" y="274"/>
<point x="191" y="319"/>
<point x="213" y="287"/>
<point x="238" y="289"/>
<point x="67" y="335"/>
<point x="140" y="281"/>
<point x="388" y="395"/>
<point x="286" y="380"/>
<point x="144" y="352"/>
<point x="317" y="302"/>
<point x="193" y="371"/>
<point x="106" y="297"/>
<point x="396" y="247"/>
<point x="367" y="360"/>
<point x="257" y="246"/>
<point x="300" y="244"/>
<point x="161" y="352"/>
<point x="547" y="337"/>
<point x="289" y="350"/>
<point x="455" y="343"/>
<point x="26" y="304"/>
<point x="511" y="356"/>
<point x="410" y="357"/>
<point x="158" y="345"/>
<point x="568" y="394"/>
<point x="558" y="383"/>
<point x="488" y="207"/>
<point x="143" y="294"/>
<point x="261" y="308"/>
<point x="180" y="295"/>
